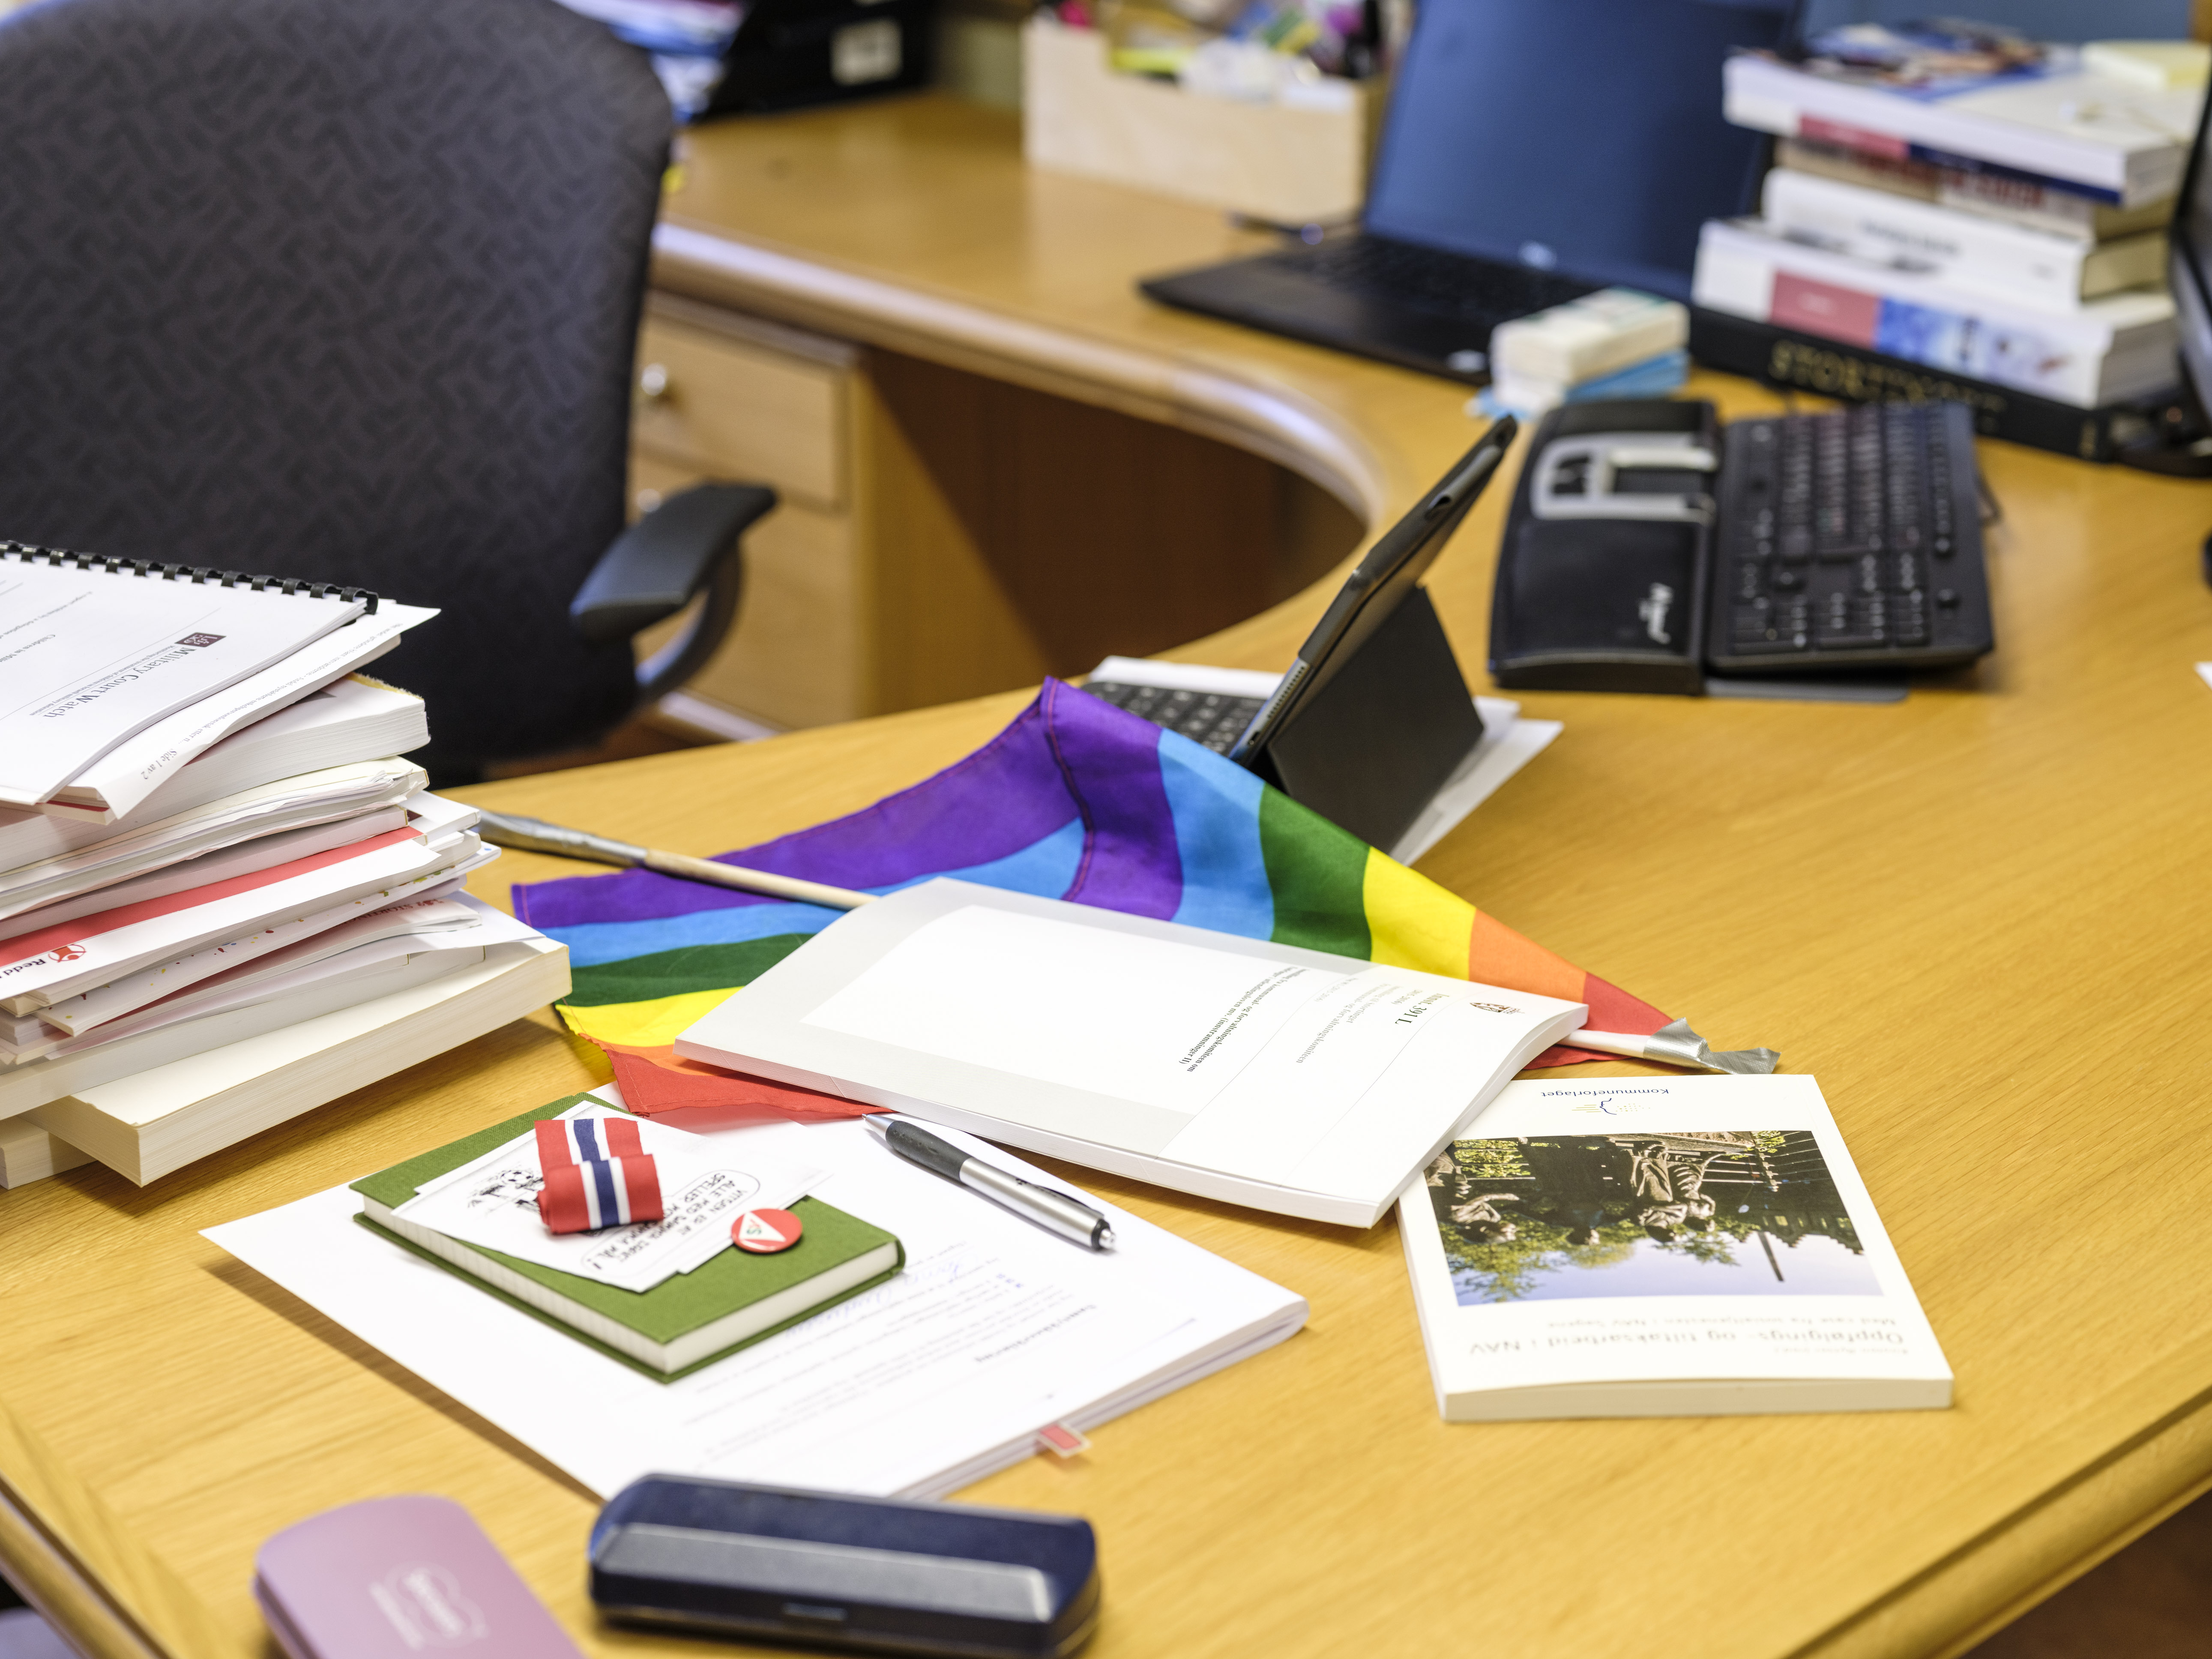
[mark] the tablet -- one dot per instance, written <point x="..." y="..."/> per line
<point x="1372" y="593"/>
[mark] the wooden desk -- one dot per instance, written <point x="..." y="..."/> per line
<point x="1981" y="918"/>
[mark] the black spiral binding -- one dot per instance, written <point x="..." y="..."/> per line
<point x="23" y="553"/>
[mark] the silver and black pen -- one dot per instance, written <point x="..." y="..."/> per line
<point x="1052" y="1211"/>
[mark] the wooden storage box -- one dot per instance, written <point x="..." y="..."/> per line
<point x="1288" y="166"/>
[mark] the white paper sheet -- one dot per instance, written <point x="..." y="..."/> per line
<point x="706" y="1185"/>
<point x="1165" y="1025"/>
<point x="378" y="873"/>
<point x="293" y="943"/>
<point x="316" y="798"/>
<point x="994" y="1330"/>
<point x="459" y="926"/>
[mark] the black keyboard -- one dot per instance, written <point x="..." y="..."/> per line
<point x="1431" y="279"/>
<point x="1849" y="540"/>
<point x="1204" y="717"/>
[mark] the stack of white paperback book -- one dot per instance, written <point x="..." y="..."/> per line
<point x="225" y="898"/>
<point x="1969" y="201"/>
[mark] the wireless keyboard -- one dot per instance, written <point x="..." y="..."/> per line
<point x="1850" y="540"/>
<point x="1651" y="548"/>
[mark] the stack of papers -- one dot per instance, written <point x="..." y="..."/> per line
<point x="209" y="838"/>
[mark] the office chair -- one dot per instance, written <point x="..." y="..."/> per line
<point x="348" y="290"/>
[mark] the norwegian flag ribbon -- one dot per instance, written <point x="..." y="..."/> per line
<point x="587" y="1140"/>
<point x="597" y="1175"/>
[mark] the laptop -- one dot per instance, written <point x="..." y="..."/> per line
<point x="1535" y="150"/>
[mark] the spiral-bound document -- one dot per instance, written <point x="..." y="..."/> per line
<point x="93" y="652"/>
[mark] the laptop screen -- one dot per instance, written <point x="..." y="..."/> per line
<point x="1577" y="136"/>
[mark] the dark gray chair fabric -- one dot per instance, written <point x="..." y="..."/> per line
<point x="340" y="290"/>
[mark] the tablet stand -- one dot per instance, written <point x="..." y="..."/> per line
<point x="1371" y="747"/>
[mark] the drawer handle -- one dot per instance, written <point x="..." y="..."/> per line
<point x="654" y="385"/>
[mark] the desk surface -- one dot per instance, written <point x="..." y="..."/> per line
<point x="1979" y="918"/>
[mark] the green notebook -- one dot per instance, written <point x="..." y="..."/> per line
<point x="681" y="1323"/>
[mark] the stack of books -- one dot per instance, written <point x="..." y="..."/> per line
<point x="225" y="898"/>
<point x="1958" y="213"/>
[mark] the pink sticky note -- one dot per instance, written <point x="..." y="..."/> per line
<point x="399" y="1579"/>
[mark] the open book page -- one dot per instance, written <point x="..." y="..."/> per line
<point x="994" y="1330"/>
<point x="88" y="657"/>
<point x="1659" y="1229"/>
<point x="1268" y="1065"/>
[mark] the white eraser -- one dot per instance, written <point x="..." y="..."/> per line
<point x="1589" y="336"/>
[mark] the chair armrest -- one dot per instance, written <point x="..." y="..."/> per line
<point x="659" y="564"/>
<point x="686" y="546"/>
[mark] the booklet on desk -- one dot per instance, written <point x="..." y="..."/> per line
<point x="994" y="1330"/>
<point x="1659" y="1247"/>
<point x="1239" y="1069"/>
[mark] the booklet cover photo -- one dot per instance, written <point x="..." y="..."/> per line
<point x="1660" y="1246"/>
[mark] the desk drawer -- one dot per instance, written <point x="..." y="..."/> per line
<point x="728" y="408"/>
<point x="794" y="657"/>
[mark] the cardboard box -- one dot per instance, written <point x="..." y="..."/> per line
<point x="1285" y="165"/>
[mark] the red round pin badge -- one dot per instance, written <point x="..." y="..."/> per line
<point x="763" y="1232"/>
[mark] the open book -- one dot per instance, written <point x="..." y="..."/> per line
<point x="1660" y="1246"/>
<point x="1239" y="1069"/>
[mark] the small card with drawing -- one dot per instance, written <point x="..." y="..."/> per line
<point x="706" y="1185"/>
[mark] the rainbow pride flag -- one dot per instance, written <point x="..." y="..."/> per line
<point x="1075" y="800"/>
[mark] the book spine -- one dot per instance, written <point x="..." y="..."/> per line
<point x="2030" y="267"/>
<point x="23" y="553"/>
<point x="1996" y="176"/>
<point x="1783" y="283"/>
<point x="2033" y="206"/>
<point x="1796" y="361"/>
<point x="2129" y="262"/>
<point x="2032" y="203"/>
